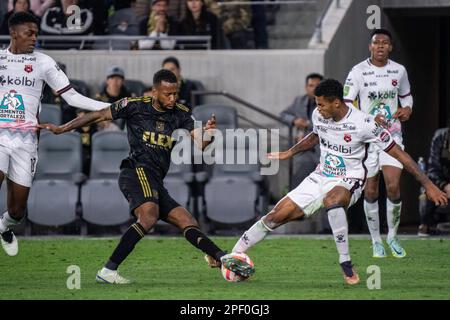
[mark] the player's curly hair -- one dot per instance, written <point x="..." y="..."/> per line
<point x="164" y="75"/>
<point x="330" y="89"/>
<point x="19" y="18"/>
<point x="381" y="31"/>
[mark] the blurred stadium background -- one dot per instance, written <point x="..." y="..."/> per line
<point x="325" y="36"/>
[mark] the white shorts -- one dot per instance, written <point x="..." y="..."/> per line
<point x="377" y="158"/>
<point x="18" y="163"/>
<point x="310" y="193"/>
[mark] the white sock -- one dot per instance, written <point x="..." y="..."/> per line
<point x="338" y="224"/>
<point x="393" y="211"/>
<point x="252" y="236"/>
<point x="6" y="221"/>
<point x="373" y="220"/>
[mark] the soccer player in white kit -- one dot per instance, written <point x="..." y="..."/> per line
<point x="377" y="84"/>
<point x="23" y="74"/>
<point x="344" y="134"/>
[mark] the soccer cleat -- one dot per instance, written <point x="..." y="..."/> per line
<point x="396" y="249"/>
<point x="350" y="275"/>
<point x="238" y="266"/>
<point x="110" y="277"/>
<point x="212" y="263"/>
<point x="9" y="243"/>
<point x="378" y="250"/>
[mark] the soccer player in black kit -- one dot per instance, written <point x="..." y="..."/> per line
<point x="150" y="122"/>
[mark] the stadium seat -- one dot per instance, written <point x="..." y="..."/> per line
<point x="135" y="86"/>
<point x="234" y="193"/>
<point x="55" y="193"/>
<point x="50" y="113"/>
<point x="226" y="116"/>
<point x="102" y="201"/>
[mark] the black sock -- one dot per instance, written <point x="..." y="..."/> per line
<point x="202" y="242"/>
<point x="132" y="236"/>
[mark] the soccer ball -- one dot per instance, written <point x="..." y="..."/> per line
<point x="230" y="275"/>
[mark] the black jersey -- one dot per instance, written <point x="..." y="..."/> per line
<point x="150" y="131"/>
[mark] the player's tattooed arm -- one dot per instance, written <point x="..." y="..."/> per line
<point x="87" y="119"/>
<point x="306" y="143"/>
<point x="434" y="194"/>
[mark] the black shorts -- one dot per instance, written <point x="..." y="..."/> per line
<point x="139" y="186"/>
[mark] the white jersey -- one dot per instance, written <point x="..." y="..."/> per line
<point x="378" y="90"/>
<point x="344" y="144"/>
<point x="22" y="78"/>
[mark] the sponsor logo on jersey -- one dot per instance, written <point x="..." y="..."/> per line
<point x="28" y="68"/>
<point x="3" y="67"/>
<point x="21" y="59"/>
<point x="159" y="126"/>
<point x="12" y="107"/>
<point x="394" y="82"/>
<point x="378" y="129"/>
<point x="392" y="71"/>
<point x="384" y="136"/>
<point x="334" y="166"/>
<point x="382" y="109"/>
<point x="17" y="81"/>
<point x="346" y="90"/>
<point x="3" y="57"/>
<point x="335" y="147"/>
<point x="382" y="95"/>
<point x="347" y="137"/>
<point x="368" y="73"/>
<point x="153" y="139"/>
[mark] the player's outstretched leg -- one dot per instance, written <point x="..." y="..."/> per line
<point x="147" y="214"/>
<point x="215" y="256"/>
<point x="284" y="211"/>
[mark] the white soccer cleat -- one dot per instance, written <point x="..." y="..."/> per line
<point x="110" y="277"/>
<point x="9" y="243"/>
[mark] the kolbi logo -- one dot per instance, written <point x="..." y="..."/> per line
<point x="17" y="81"/>
<point x="336" y="147"/>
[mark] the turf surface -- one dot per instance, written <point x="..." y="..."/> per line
<point x="170" y="268"/>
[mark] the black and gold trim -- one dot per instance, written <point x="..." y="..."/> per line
<point x="146" y="188"/>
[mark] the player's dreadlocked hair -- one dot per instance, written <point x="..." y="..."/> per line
<point x="330" y="89"/>
<point x="381" y="31"/>
<point x="19" y="18"/>
<point x="164" y="75"/>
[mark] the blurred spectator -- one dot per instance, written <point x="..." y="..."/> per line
<point x="439" y="173"/>
<point x="147" y="92"/>
<point x="19" y="6"/>
<point x="124" y="20"/>
<point x="113" y="90"/>
<point x="37" y="6"/>
<point x="235" y="22"/>
<point x="299" y="114"/>
<point x="100" y="14"/>
<point x="158" y="24"/>
<point x="199" y="21"/>
<point x="185" y="86"/>
<point x="55" y="20"/>
<point x="259" y="25"/>
<point x="86" y="133"/>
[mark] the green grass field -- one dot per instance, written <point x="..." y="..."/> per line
<point x="170" y="268"/>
